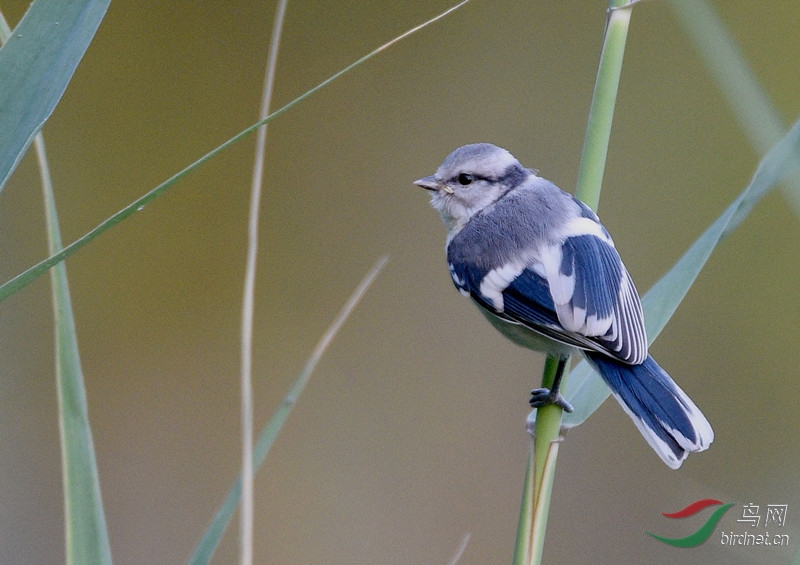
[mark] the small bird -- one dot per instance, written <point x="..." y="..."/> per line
<point x="545" y="272"/>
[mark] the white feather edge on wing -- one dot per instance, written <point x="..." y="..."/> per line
<point x="630" y="330"/>
<point x="626" y="324"/>
<point x="497" y="280"/>
<point x="562" y="289"/>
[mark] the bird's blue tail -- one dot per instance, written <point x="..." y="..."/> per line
<point x="666" y="417"/>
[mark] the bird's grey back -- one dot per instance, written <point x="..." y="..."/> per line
<point x="501" y="233"/>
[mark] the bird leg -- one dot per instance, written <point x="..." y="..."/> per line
<point x="545" y="396"/>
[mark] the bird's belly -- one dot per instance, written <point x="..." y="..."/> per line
<point x="528" y="338"/>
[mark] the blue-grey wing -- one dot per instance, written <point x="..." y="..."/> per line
<point x="594" y="295"/>
<point x="525" y="301"/>
<point x="564" y="279"/>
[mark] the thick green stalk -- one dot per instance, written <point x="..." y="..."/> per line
<point x="601" y="112"/>
<point x="539" y="477"/>
<point x="538" y="491"/>
<point x="522" y="548"/>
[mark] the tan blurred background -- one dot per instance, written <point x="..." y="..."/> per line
<point x="411" y="433"/>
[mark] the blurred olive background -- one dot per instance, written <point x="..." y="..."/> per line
<point x="411" y="433"/>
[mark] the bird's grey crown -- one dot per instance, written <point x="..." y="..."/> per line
<point x="485" y="162"/>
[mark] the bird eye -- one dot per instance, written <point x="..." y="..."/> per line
<point x="465" y="179"/>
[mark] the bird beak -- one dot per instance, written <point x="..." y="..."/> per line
<point x="430" y="183"/>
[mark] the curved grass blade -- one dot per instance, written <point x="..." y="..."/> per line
<point x="86" y="535"/>
<point x="246" y="518"/>
<point x="36" y="64"/>
<point x="585" y="390"/>
<point x="208" y="544"/>
<point x="85" y="523"/>
<point x="757" y="116"/>
<point x="32" y="273"/>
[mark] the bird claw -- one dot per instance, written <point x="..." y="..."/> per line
<point x="541" y="397"/>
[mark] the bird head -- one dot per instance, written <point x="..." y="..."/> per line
<point x="471" y="178"/>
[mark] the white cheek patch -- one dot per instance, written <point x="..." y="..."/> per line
<point x="497" y="280"/>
